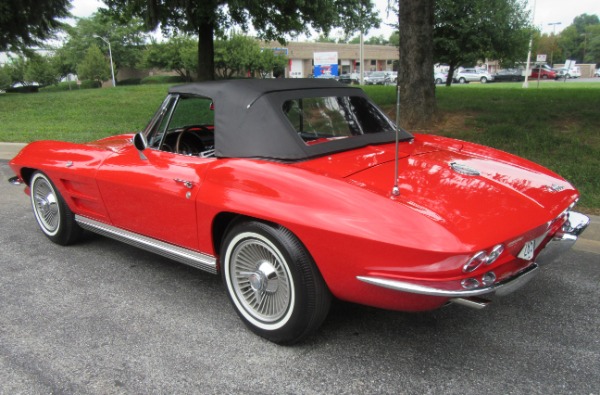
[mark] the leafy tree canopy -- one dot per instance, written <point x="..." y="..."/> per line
<point x="127" y="40"/>
<point x="94" y="66"/>
<point x="272" y="19"/>
<point x="179" y="54"/>
<point x="580" y="41"/>
<point x="467" y="31"/>
<point x="25" y="23"/>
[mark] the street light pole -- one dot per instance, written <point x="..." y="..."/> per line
<point x="553" y="24"/>
<point x="526" y="82"/>
<point x="112" y="69"/>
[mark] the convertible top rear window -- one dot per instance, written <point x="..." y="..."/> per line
<point x="322" y="119"/>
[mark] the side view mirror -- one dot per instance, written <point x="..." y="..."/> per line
<point x="140" y="142"/>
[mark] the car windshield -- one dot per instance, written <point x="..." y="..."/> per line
<point x="322" y="119"/>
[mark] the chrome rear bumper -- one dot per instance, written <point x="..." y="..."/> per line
<point x="562" y="241"/>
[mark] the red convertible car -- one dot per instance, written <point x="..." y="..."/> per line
<point x="298" y="191"/>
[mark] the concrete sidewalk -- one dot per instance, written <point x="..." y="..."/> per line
<point x="589" y="240"/>
<point x="9" y="150"/>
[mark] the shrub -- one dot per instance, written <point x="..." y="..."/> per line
<point x="129" y="81"/>
<point x="163" y="79"/>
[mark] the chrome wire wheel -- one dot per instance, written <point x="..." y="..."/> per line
<point x="45" y="205"/>
<point x="52" y="214"/>
<point x="260" y="279"/>
<point x="272" y="281"/>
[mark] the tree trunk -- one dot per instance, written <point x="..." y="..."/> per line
<point x="415" y="71"/>
<point x="451" y="71"/>
<point x="206" y="51"/>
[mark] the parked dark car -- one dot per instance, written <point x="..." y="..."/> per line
<point x="507" y="75"/>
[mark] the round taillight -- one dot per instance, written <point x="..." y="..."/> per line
<point x="477" y="260"/>
<point x="495" y="254"/>
<point x="488" y="279"/>
<point x="469" y="283"/>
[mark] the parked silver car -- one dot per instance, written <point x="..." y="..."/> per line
<point x="469" y="75"/>
<point x="440" y="78"/>
<point x="376" y="78"/>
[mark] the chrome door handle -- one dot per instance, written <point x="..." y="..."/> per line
<point x="187" y="184"/>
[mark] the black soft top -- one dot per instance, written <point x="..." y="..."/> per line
<point x="250" y="123"/>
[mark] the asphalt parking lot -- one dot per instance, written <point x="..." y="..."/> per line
<point x="102" y="317"/>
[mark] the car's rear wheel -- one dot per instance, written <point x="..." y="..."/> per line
<point x="438" y="81"/>
<point x="54" y="217"/>
<point x="273" y="282"/>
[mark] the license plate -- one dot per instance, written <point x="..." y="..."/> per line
<point x="527" y="251"/>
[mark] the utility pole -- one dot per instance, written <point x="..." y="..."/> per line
<point x="553" y="24"/>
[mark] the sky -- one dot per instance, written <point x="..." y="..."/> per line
<point x="546" y="11"/>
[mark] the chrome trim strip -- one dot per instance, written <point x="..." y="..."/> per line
<point x="183" y="255"/>
<point x="502" y="288"/>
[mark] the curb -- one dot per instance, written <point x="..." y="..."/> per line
<point x="589" y="241"/>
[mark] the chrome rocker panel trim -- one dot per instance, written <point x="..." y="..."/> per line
<point x="562" y="241"/>
<point x="183" y="255"/>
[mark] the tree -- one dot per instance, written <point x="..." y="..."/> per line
<point x="41" y="69"/>
<point x="547" y="44"/>
<point x="272" y="19"/>
<point x="376" y="40"/>
<point x="467" y="31"/>
<point x="242" y="55"/>
<point x="15" y="69"/>
<point x="94" y="66"/>
<point x="415" y="69"/>
<point x="574" y="39"/>
<point x="24" y="23"/>
<point x="394" y="38"/>
<point x="592" y="49"/>
<point x="271" y="63"/>
<point x="127" y="39"/>
<point x="237" y="55"/>
<point x="5" y="80"/>
<point x="179" y="54"/>
<point x="325" y="39"/>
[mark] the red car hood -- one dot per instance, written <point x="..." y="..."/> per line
<point x="113" y="143"/>
<point x="508" y="195"/>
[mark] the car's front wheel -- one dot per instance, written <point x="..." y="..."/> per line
<point x="438" y="81"/>
<point x="54" y="217"/>
<point x="273" y="282"/>
<point x="483" y="80"/>
<point x="462" y="80"/>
